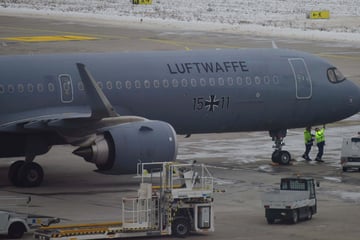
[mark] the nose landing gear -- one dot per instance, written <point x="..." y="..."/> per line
<point x="279" y="156"/>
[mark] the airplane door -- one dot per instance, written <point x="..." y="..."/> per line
<point x="302" y="78"/>
<point x="66" y="87"/>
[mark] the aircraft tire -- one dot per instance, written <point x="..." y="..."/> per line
<point x="275" y="157"/>
<point x="13" y="172"/>
<point x="30" y="174"/>
<point x="284" y="158"/>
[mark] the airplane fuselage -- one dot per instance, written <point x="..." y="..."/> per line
<point x="194" y="91"/>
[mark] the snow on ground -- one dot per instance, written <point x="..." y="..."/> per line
<point x="265" y="17"/>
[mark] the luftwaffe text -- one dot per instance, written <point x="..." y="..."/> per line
<point x="208" y="67"/>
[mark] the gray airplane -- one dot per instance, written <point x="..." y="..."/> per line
<point x="120" y="109"/>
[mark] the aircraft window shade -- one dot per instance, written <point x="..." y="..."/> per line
<point x="193" y="82"/>
<point x="2" y="89"/>
<point x="147" y="84"/>
<point x="212" y="81"/>
<point x="137" y="84"/>
<point x="20" y="88"/>
<point x="184" y="82"/>
<point x="257" y="80"/>
<point x="40" y="87"/>
<point x="118" y="84"/>
<point x="100" y="84"/>
<point x="11" y="88"/>
<point x="30" y="88"/>
<point x="248" y="80"/>
<point x="267" y="80"/>
<point x="166" y="83"/>
<point x="175" y="83"/>
<point x="109" y="85"/>
<point x="81" y="86"/>
<point x="128" y="84"/>
<point x="239" y="81"/>
<point x="230" y="81"/>
<point x="202" y="82"/>
<point x="156" y="83"/>
<point x="221" y="82"/>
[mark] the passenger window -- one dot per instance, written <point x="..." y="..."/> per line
<point x="30" y="88"/>
<point x="20" y="88"/>
<point x="109" y="85"/>
<point x="156" y="83"/>
<point x="40" y="87"/>
<point x="137" y="84"/>
<point x="118" y="84"/>
<point x="165" y="83"/>
<point x="193" y="82"/>
<point x="230" y="81"/>
<point x="11" y="88"/>
<point x="175" y="83"/>
<point x="147" y="84"/>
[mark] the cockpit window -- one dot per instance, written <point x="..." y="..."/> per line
<point x="334" y="75"/>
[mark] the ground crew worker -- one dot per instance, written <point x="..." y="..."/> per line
<point x="320" y="142"/>
<point x="309" y="139"/>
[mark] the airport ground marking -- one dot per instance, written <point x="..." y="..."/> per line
<point x="55" y="38"/>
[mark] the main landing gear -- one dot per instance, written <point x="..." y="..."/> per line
<point x="26" y="173"/>
<point x="279" y="156"/>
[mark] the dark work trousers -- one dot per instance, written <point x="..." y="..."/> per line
<point x="320" y="146"/>
<point x="307" y="149"/>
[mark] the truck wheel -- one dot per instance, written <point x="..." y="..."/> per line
<point x="309" y="214"/>
<point x="180" y="227"/>
<point x="344" y="169"/>
<point x="294" y="216"/>
<point x="16" y="230"/>
<point x="270" y="220"/>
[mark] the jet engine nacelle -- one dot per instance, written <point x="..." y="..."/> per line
<point x="120" y="148"/>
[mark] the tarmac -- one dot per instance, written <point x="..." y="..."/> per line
<point x="239" y="162"/>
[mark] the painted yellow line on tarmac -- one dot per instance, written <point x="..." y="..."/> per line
<point x="58" y="38"/>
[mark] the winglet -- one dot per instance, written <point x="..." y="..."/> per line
<point x="99" y="104"/>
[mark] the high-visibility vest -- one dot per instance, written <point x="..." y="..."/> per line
<point x="307" y="136"/>
<point x="319" y="135"/>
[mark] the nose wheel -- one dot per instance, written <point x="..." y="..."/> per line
<point x="279" y="156"/>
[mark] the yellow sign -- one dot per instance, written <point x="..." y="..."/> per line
<point x="142" y="1"/>
<point x="325" y="14"/>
